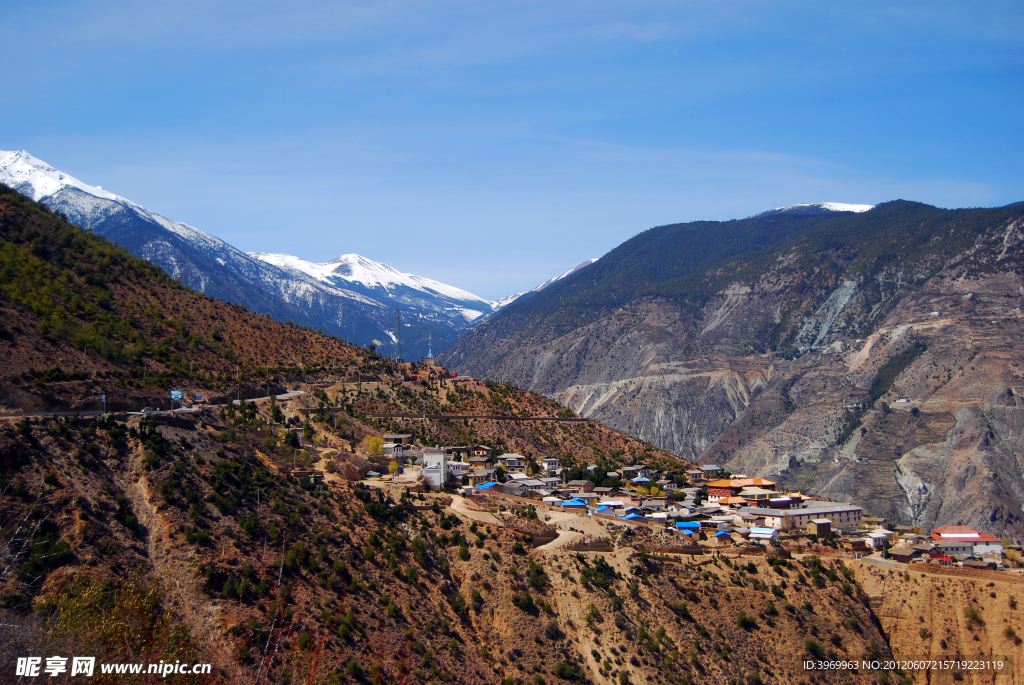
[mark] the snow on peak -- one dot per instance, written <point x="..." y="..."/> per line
<point x="505" y="301"/>
<point x="570" y="272"/>
<point x="815" y="208"/>
<point x="37" y="179"/>
<point x="358" y="269"/>
<point x="509" y="299"/>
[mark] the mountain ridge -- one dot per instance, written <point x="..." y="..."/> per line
<point x="350" y="309"/>
<point x="738" y="343"/>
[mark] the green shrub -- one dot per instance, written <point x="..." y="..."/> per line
<point x="973" y="616"/>
<point x="567" y="671"/>
<point x="524" y="601"/>
<point x="457" y="602"/>
<point x="354" y="669"/>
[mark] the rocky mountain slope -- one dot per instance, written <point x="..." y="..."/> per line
<point x="200" y="538"/>
<point x="778" y="345"/>
<point x="183" y="536"/>
<point x="352" y="297"/>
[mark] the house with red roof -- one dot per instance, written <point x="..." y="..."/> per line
<point x="981" y="544"/>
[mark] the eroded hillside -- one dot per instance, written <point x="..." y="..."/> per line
<point x="273" y="579"/>
<point x="784" y="360"/>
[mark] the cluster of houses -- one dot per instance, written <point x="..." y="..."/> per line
<point x="708" y="509"/>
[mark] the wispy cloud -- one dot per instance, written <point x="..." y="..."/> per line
<point x="525" y="137"/>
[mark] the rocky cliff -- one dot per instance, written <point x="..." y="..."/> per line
<point x="789" y="359"/>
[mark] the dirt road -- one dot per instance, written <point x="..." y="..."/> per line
<point x="460" y="505"/>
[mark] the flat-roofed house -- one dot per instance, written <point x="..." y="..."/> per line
<point x="755" y="496"/>
<point x="550" y="464"/>
<point x="904" y="554"/>
<point x="516" y="488"/>
<point x="431" y="456"/>
<point x="631" y="472"/>
<point x="392" y="450"/>
<point x="711" y="471"/>
<point x="480" y="476"/>
<point x="653" y="503"/>
<point x="879" y="537"/>
<point x="820" y="527"/>
<point x="457" y="469"/>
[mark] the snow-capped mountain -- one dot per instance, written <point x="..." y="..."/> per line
<point x="505" y="301"/>
<point x="352" y="297"/>
<point x="815" y="208"/>
<point x="382" y="282"/>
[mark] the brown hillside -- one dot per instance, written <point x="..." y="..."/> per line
<point x="263" y="571"/>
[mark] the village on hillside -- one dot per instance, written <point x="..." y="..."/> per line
<point x="704" y="509"/>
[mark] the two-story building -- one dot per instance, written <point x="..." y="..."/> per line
<point x="842" y="516"/>
<point x="631" y="472"/>
<point x="711" y="471"/>
<point x="512" y="462"/>
<point x="981" y="544"/>
<point x="398" y="438"/>
<point x="480" y="476"/>
<point x="695" y="476"/>
<point x="551" y="465"/>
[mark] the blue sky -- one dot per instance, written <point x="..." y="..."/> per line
<point x="493" y="145"/>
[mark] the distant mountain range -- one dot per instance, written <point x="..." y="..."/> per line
<point x="352" y="297"/>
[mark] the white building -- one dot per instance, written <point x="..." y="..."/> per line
<point x="879" y="537"/>
<point x="981" y="544"/>
<point x="843" y="516"/>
